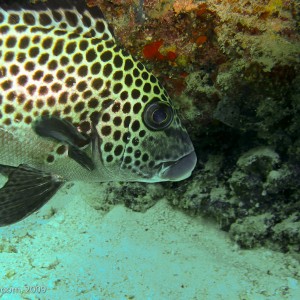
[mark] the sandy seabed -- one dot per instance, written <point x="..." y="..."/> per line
<point x="81" y="253"/>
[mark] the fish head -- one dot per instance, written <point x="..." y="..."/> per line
<point x="167" y="144"/>
<point x="140" y="137"/>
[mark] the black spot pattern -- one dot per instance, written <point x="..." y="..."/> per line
<point x="64" y="63"/>
<point x="11" y="42"/>
<point x="24" y="42"/>
<point x="12" y="19"/>
<point x="29" y="19"/>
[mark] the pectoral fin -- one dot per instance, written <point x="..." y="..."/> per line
<point x="81" y="157"/>
<point x="26" y="190"/>
<point x="65" y="132"/>
<point x="60" y="130"/>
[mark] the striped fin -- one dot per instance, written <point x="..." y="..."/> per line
<point x="66" y="15"/>
<point x="26" y="190"/>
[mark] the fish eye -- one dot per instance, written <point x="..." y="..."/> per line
<point x="158" y="115"/>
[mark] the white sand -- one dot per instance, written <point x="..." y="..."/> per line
<point x="81" y="253"/>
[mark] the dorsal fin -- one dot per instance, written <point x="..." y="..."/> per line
<point x="66" y="15"/>
<point x="42" y="5"/>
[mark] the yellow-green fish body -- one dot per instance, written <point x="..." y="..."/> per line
<point x="75" y="106"/>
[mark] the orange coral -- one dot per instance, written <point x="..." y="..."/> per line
<point x="180" y="6"/>
<point x="91" y="3"/>
<point x="201" y="40"/>
<point x="201" y="9"/>
<point x="171" y="55"/>
<point x="151" y="51"/>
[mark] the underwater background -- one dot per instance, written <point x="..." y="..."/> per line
<point x="232" y="230"/>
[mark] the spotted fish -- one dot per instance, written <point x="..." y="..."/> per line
<point x="76" y="106"/>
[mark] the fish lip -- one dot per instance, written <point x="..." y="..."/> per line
<point x="179" y="169"/>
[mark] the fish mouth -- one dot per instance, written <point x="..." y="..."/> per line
<point x="179" y="169"/>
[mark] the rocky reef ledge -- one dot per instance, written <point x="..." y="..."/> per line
<point x="232" y="68"/>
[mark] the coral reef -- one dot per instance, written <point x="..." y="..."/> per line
<point x="136" y="196"/>
<point x="232" y="67"/>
